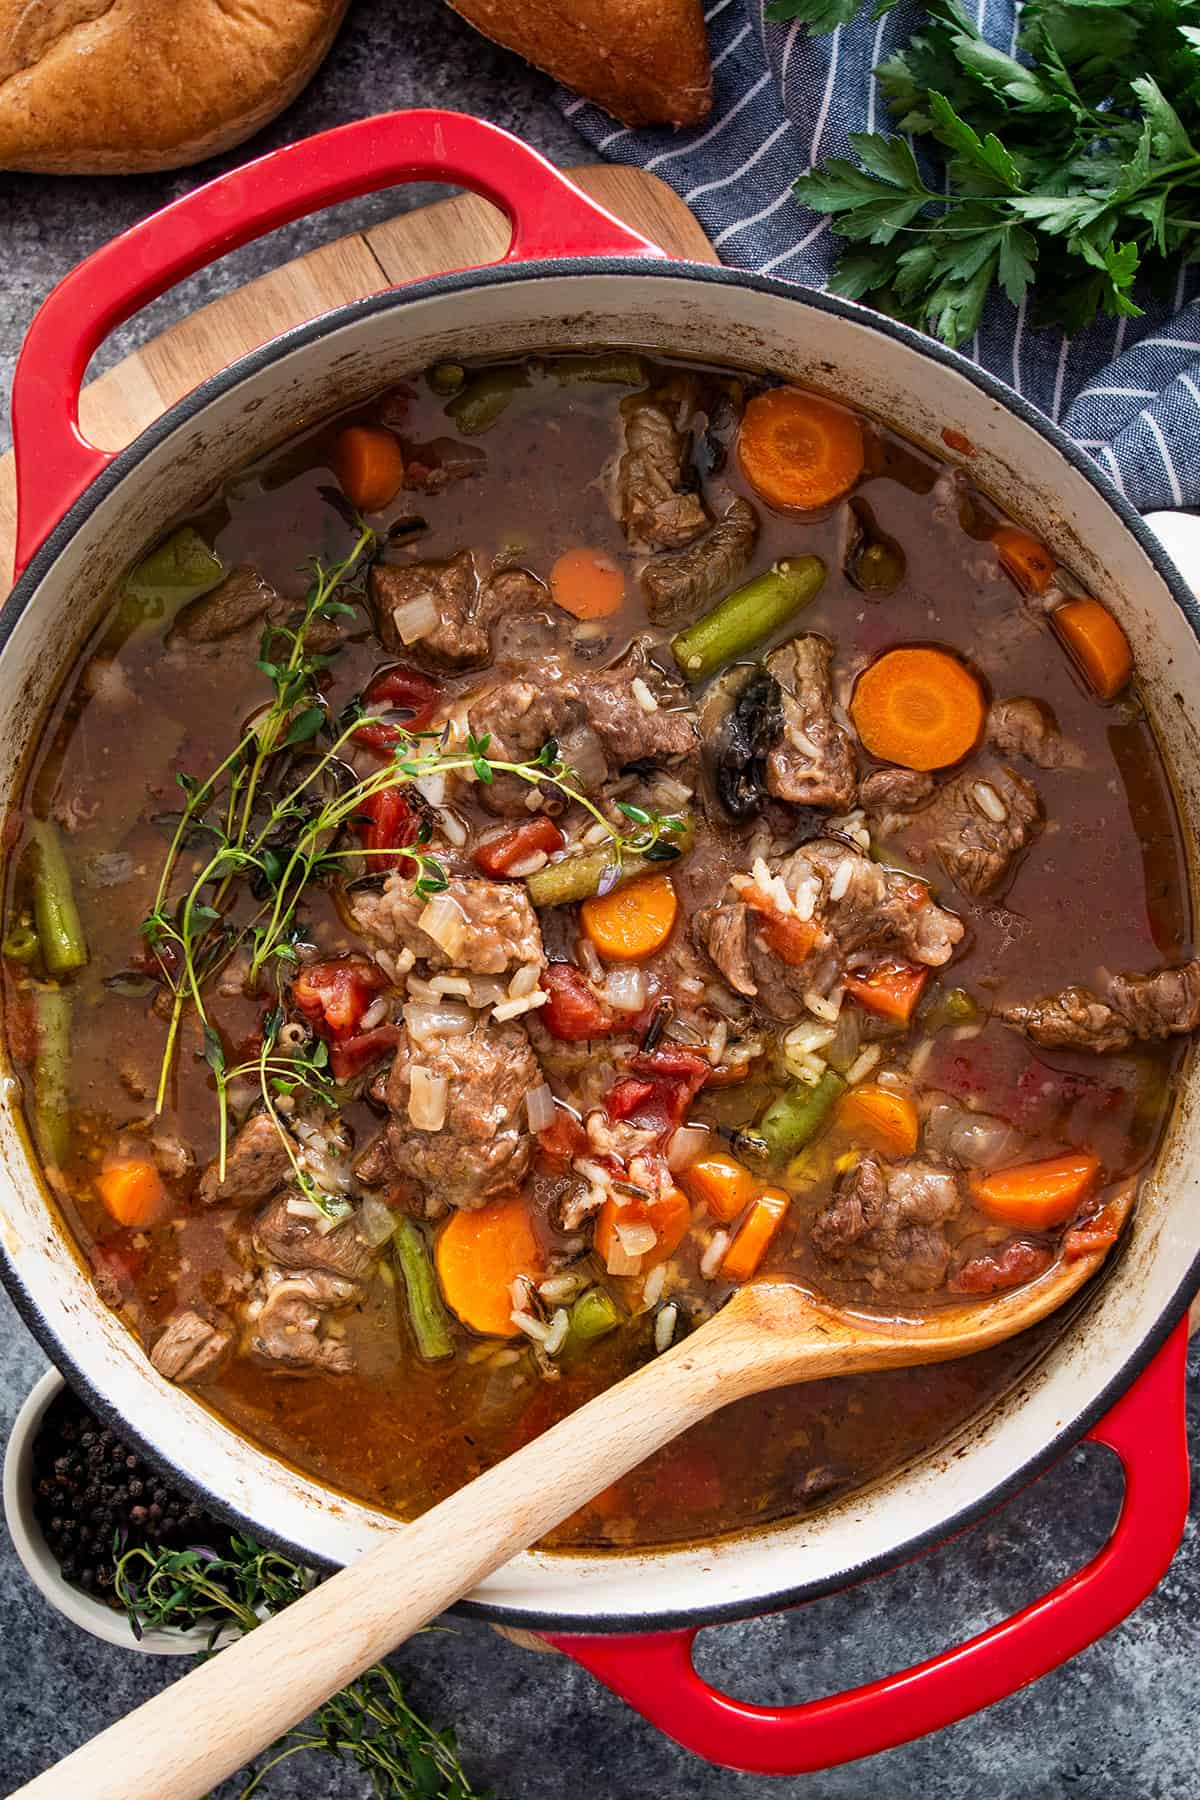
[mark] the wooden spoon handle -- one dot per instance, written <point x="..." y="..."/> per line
<point x="191" y="1736"/>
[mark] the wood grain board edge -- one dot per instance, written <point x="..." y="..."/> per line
<point x="460" y="233"/>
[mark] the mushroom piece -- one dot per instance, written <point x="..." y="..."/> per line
<point x="749" y="728"/>
<point x="873" y="561"/>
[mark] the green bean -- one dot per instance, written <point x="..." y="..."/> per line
<point x="744" y="618"/>
<point x="51" y="1091"/>
<point x="60" y="933"/>
<point x="486" y="396"/>
<point x="426" y="1314"/>
<point x="21" y="943"/>
<point x="182" y="568"/>
<point x="799" y="1113"/>
<point x="621" y="366"/>
<point x="446" y="378"/>
<point x="581" y="876"/>
<point x="594" y="1315"/>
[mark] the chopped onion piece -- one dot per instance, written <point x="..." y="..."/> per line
<point x="376" y="1222"/>
<point x="415" y="618"/>
<point x="446" y="923"/>
<point x="636" y="1239"/>
<point x="620" y="1262"/>
<point x="427" y="1097"/>
<point x="625" y="990"/>
<point x="524" y="981"/>
<point x="685" y="1146"/>
<point x="539" y="1105"/>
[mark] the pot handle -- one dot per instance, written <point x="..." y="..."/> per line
<point x="656" y="1675"/>
<point x="549" y="215"/>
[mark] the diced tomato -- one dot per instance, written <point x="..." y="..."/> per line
<point x="387" y="822"/>
<point x="573" y="1013"/>
<point x="497" y="855"/>
<point x="1092" y="1236"/>
<point x="563" y="1141"/>
<point x="116" y="1266"/>
<point x="336" y="993"/>
<point x="891" y="989"/>
<point x="1018" y="1261"/>
<point x="657" y="1093"/>
<point x="354" y="1054"/>
<point x="627" y="1096"/>
<point x="397" y="690"/>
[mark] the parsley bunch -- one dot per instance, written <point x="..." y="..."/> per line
<point x="1074" y="167"/>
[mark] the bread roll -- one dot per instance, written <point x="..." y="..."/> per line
<point x="646" y="61"/>
<point x="115" y="86"/>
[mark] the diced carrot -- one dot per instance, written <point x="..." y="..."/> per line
<point x="634" y="920"/>
<point x="1025" y="558"/>
<point x="132" y="1190"/>
<point x="918" y="706"/>
<point x="1097" y="643"/>
<point x="369" y="465"/>
<point x="720" y="1182"/>
<point x="791" y="938"/>
<point x="479" y="1255"/>
<point x="885" y="1119"/>
<point x="755" y="1234"/>
<point x="891" y="989"/>
<point x="1037" y="1195"/>
<point x="587" y="583"/>
<point x="666" y="1212"/>
<point x="798" y="451"/>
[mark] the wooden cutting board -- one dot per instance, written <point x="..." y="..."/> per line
<point x="453" y="234"/>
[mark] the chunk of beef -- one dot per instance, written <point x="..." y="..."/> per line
<point x="484" y="1145"/>
<point x="373" y="1165"/>
<point x="978" y="824"/>
<point x="243" y="598"/>
<point x="190" y="1348"/>
<point x="596" y="718"/>
<point x="877" y="909"/>
<point x="1133" y="1009"/>
<point x="735" y="939"/>
<point x="1024" y="727"/>
<point x="655" y="509"/>
<point x="886" y="1225"/>
<point x="285" y="1319"/>
<point x="457" y="639"/>
<point x="172" y="1156"/>
<point x="508" y="592"/>
<point x="680" y="586"/>
<point x="888" y="791"/>
<point x="256" y="1166"/>
<point x="499" y="926"/>
<point x="813" y="764"/>
<point x="294" y="1242"/>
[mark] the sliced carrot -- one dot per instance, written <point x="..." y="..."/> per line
<point x="1025" y="558"/>
<point x="1097" y="643"/>
<point x="720" y="1182"/>
<point x="369" y="465"/>
<point x="755" y="1234"/>
<point x="633" y="921"/>
<point x="1039" y="1194"/>
<point x="885" y="1119"/>
<point x="891" y="989"/>
<point x="919" y="707"/>
<point x="132" y="1190"/>
<point x="668" y="1215"/>
<point x="587" y="583"/>
<point x="799" y="451"/>
<point x="791" y="938"/>
<point x="479" y="1255"/>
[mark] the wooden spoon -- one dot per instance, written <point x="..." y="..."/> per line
<point x="217" y="1718"/>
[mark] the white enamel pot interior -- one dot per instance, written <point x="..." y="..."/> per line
<point x="717" y="315"/>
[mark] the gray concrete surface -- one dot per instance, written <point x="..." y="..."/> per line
<point x="1123" y="1719"/>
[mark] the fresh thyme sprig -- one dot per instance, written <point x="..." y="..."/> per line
<point x="369" y="1723"/>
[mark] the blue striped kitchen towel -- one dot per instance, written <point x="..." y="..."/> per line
<point x="1128" y="390"/>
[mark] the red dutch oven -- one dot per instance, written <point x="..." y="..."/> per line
<point x="575" y="277"/>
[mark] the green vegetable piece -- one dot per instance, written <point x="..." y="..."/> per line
<point x="181" y="569"/>
<point x="51" y="1087"/>
<point x="21" y="944"/>
<point x="580" y="877"/>
<point x="749" y="615"/>
<point x="428" y="1317"/>
<point x="954" y="1007"/>
<point x="623" y="367"/>
<point x="799" y="1113"/>
<point x="875" y="563"/>
<point x="594" y="1315"/>
<point x="446" y="378"/>
<point x="64" y="948"/>
<point x="485" y="398"/>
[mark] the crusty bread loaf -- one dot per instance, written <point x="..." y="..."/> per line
<point x="646" y="61"/>
<point x="115" y="86"/>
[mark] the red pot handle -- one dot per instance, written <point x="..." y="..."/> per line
<point x="656" y="1675"/>
<point x="549" y="216"/>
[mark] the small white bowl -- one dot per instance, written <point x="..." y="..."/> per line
<point x="39" y="1562"/>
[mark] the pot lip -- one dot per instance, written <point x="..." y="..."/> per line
<point x="433" y="287"/>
